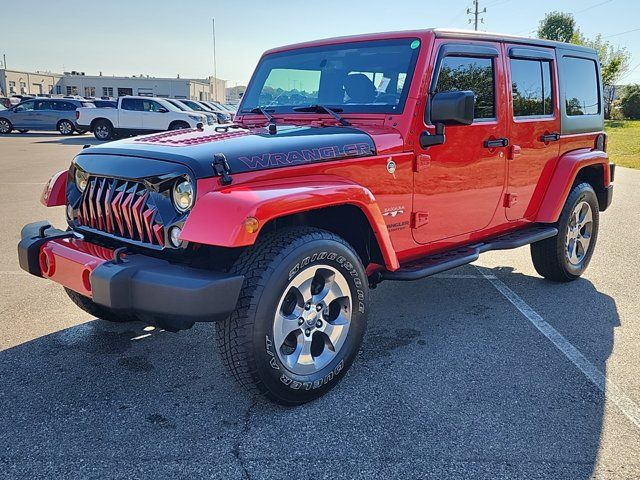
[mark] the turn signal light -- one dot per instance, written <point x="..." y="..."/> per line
<point x="251" y="224"/>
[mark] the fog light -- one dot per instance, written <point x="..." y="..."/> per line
<point x="174" y="236"/>
<point x="251" y="224"/>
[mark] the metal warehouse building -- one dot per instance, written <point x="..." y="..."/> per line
<point x="14" y="82"/>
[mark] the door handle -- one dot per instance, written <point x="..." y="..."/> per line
<point x="497" y="142"/>
<point x="550" y="137"/>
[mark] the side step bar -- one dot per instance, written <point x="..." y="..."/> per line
<point x="440" y="262"/>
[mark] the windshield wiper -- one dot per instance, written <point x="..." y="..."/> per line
<point x="318" y="108"/>
<point x="272" y="121"/>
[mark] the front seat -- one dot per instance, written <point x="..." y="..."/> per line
<point x="359" y="88"/>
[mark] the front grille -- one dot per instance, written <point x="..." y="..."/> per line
<point x="121" y="208"/>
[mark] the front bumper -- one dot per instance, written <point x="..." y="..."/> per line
<point x="147" y="287"/>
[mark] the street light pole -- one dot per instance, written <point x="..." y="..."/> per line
<point x="215" y="69"/>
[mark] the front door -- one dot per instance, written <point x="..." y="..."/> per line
<point x="154" y="116"/>
<point x="24" y="115"/>
<point x="458" y="185"/>
<point x="534" y="128"/>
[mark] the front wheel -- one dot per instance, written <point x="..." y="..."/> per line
<point x="103" y="130"/>
<point x="565" y="257"/>
<point x="5" y="126"/>
<point x="179" y="125"/>
<point x="301" y="315"/>
<point x="65" y="127"/>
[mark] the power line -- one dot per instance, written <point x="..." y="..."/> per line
<point x="622" y="33"/>
<point x="592" y="6"/>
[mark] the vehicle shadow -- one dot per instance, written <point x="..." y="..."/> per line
<point x="452" y="382"/>
<point x="75" y="140"/>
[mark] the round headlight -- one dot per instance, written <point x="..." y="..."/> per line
<point x="183" y="195"/>
<point x="82" y="179"/>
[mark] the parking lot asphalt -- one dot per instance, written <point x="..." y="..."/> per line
<point x="486" y="371"/>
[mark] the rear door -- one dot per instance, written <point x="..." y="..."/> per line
<point x="47" y="116"/>
<point x="458" y="185"/>
<point x="130" y="114"/>
<point x="534" y="127"/>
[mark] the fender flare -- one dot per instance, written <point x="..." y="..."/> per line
<point x="565" y="173"/>
<point x="218" y="216"/>
<point x="55" y="191"/>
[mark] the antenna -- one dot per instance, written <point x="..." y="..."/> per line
<point x="476" y="12"/>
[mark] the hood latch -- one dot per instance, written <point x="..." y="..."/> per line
<point x="221" y="168"/>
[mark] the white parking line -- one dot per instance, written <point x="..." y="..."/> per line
<point x="606" y="386"/>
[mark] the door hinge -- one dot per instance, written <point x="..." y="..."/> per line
<point x="422" y="162"/>
<point x="510" y="199"/>
<point x="418" y="219"/>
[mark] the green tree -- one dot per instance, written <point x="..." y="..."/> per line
<point x="630" y="102"/>
<point x="557" y="26"/>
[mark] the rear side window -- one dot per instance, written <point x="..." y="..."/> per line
<point x="68" y="106"/>
<point x="131" y="104"/>
<point x="470" y="73"/>
<point x="582" y="94"/>
<point x="531" y="88"/>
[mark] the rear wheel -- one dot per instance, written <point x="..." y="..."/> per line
<point x="5" y="126"/>
<point x="65" y="127"/>
<point x="300" y="318"/>
<point x="103" y="130"/>
<point x="96" y="310"/>
<point x="565" y="257"/>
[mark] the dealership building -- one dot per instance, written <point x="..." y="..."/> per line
<point x="14" y="82"/>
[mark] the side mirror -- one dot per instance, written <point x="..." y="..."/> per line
<point x="453" y="108"/>
<point x="448" y="108"/>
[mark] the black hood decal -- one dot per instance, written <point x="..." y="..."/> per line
<point x="245" y="150"/>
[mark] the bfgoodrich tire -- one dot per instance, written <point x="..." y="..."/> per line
<point x="96" y="310"/>
<point x="565" y="257"/>
<point x="301" y="315"/>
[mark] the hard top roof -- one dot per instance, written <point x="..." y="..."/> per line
<point x="438" y="33"/>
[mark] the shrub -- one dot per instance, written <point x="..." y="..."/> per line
<point x="630" y="102"/>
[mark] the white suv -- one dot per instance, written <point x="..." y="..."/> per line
<point x="136" y="115"/>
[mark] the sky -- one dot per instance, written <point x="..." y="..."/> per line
<point x="166" y="38"/>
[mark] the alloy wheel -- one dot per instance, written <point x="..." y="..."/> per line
<point x="102" y="131"/>
<point x="4" y="126"/>
<point x="579" y="233"/>
<point x="312" y="319"/>
<point x="65" y="128"/>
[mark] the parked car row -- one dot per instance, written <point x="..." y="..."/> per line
<point x="106" y="118"/>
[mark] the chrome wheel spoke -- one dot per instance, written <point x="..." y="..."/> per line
<point x="282" y="328"/>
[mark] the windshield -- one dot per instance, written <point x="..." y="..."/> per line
<point x="354" y="77"/>
<point x="193" y="105"/>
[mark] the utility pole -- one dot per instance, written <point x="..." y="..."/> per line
<point x="476" y="14"/>
<point x="4" y="61"/>
<point x="215" y="69"/>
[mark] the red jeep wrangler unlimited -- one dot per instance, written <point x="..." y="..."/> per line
<point x="353" y="160"/>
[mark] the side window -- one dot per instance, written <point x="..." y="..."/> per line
<point x="42" y="105"/>
<point x="150" y="106"/>
<point x="25" y="107"/>
<point x="131" y="104"/>
<point x="470" y="73"/>
<point x="582" y="94"/>
<point x="68" y="106"/>
<point x="531" y="88"/>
